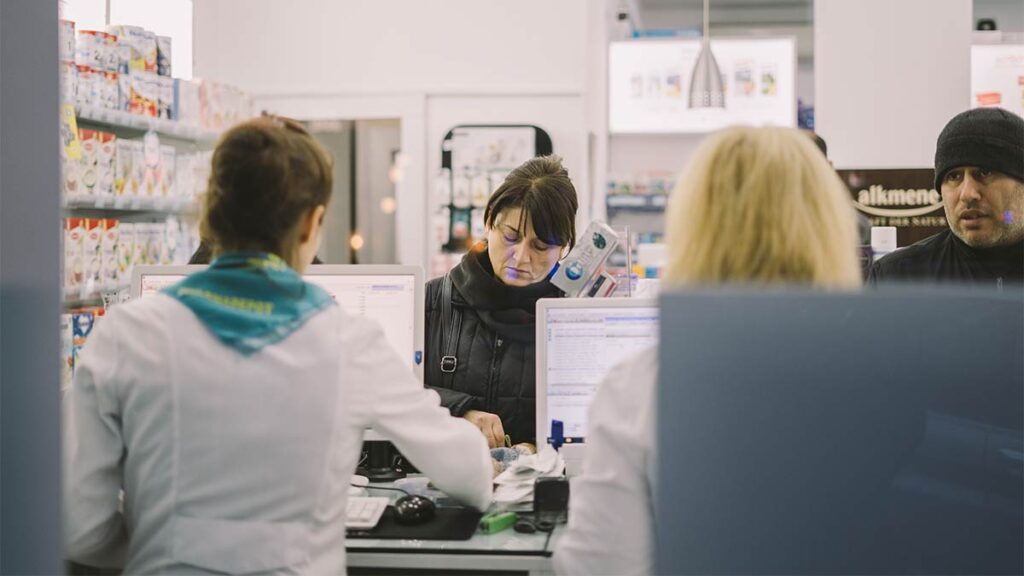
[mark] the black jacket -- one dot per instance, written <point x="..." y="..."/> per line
<point x="496" y="369"/>
<point x="944" y="258"/>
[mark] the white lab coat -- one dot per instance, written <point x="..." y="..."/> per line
<point x="234" y="464"/>
<point x="611" y="510"/>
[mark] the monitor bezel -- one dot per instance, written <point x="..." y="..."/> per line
<point x="324" y="270"/>
<point x="545" y="305"/>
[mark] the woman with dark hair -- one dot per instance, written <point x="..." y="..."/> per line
<point x="480" y="328"/>
<point x="230" y="408"/>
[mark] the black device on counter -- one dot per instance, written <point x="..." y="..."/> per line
<point x="550" y="502"/>
<point x="380" y="462"/>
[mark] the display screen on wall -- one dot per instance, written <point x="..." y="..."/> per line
<point x="997" y="76"/>
<point x="649" y="84"/>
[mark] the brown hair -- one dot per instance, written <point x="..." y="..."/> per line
<point x="542" y="189"/>
<point x="266" y="174"/>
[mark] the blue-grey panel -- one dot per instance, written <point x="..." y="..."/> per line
<point x="29" y="289"/>
<point x="806" y="433"/>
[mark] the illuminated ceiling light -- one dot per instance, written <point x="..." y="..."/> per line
<point x="706" y="89"/>
<point x="388" y="205"/>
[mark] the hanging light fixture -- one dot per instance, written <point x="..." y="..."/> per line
<point x="706" y="90"/>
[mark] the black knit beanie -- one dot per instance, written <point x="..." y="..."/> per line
<point x="990" y="138"/>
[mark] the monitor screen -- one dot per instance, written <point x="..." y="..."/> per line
<point x="582" y="345"/>
<point x="390" y="299"/>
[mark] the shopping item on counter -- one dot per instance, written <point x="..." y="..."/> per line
<point x="515" y="484"/>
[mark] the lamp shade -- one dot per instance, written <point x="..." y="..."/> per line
<point x="706" y="89"/>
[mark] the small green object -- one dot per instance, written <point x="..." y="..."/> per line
<point x="496" y="522"/>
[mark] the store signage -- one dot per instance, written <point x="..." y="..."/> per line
<point x="904" y="198"/>
<point x="649" y="84"/>
<point x="997" y="76"/>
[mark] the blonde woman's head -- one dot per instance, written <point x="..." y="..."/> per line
<point x="761" y="206"/>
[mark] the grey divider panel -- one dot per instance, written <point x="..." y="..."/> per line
<point x="806" y="433"/>
<point x="29" y="289"/>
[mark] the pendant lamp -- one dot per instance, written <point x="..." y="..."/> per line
<point x="706" y="90"/>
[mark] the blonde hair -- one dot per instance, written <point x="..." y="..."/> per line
<point x="761" y="206"/>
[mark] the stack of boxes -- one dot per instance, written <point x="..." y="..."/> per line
<point x="100" y="253"/>
<point x="112" y="167"/>
<point x="128" y="68"/>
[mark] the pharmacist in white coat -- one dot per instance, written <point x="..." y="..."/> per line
<point x="230" y="408"/>
<point x="756" y="206"/>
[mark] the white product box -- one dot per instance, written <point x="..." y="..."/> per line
<point x="138" y="180"/>
<point x="74" y="262"/>
<point x="67" y="40"/>
<point x="167" y="170"/>
<point x="125" y="250"/>
<point x="106" y="164"/>
<point x="88" y="175"/>
<point x="111" y="236"/>
<point x="92" y="250"/>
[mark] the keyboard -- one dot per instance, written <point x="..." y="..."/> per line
<point x="363" y="512"/>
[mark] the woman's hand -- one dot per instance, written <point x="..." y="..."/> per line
<point x="490" y="425"/>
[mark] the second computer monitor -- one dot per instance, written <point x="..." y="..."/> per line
<point x="579" y="340"/>
<point x="391" y="295"/>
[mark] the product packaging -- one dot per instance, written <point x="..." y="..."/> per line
<point x="125" y="250"/>
<point x="130" y="37"/>
<point x="106" y="164"/>
<point x="88" y="171"/>
<point x="87" y="47"/>
<point x="163" y="56"/>
<point x="167" y="171"/>
<point x="123" y="169"/>
<point x="68" y="81"/>
<point x="74" y="263"/>
<point x="67" y="359"/>
<point x="93" y="255"/>
<point x="149" y="51"/>
<point x="186" y="102"/>
<point x="82" y="323"/>
<point x="111" y="235"/>
<point x="155" y="244"/>
<point x="480" y="190"/>
<point x="166" y="97"/>
<point x="108" y="53"/>
<point x="138" y="181"/>
<point x="85" y="88"/>
<point x="584" y="263"/>
<point x="109" y="90"/>
<point x="67" y="40"/>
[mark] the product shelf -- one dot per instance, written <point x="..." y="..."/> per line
<point x="128" y="121"/>
<point x="94" y="298"/>
<point x="130" y="204"/>
<point x="638" y="203"/>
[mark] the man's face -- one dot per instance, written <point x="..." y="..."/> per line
<point x="984" y="208"/>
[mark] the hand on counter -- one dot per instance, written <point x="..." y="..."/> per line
<point x="490" y="425"/>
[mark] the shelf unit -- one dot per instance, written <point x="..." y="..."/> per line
<point x="121" y="120"/>
<point x="130" y="204"/>
<point x="654" y="203"/>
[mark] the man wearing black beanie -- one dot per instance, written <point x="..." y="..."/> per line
<point x="979" y="170"/>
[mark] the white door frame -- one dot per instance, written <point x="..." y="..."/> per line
<point x="411" y="189"/>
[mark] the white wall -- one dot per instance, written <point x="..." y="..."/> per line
<point x="464" y="61"/>
<point x="888" y="76"/>
<point x="387" y="46"/>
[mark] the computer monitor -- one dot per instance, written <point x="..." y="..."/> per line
<point x="578" y="341"/>
<point x="391" y="295"/>
<point x="810" y="433"/>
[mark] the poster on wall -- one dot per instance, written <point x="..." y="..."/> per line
<point x="997" y="76"/>
<point x="904" y="198"/>
<point x="649" y="85"/>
